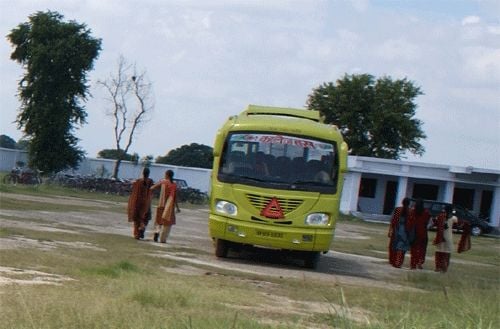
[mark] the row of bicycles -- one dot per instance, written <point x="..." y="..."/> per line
<point x="95" y="184"/>
<point x="23" y="176"/>
<point x="92" y="183"/>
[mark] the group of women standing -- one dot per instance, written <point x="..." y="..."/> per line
<point x="408" y="232"/>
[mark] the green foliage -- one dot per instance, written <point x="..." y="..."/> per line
<point x="23" y="144"/>
<point x="7" y="142"/>
<point x="376" y="117"/>
<point x="56" y="56"/>
<point x="147" y="160"/>
<point x="117" y="154"/>
<point x="192" y="155"/>
<point x="10" y="143"/>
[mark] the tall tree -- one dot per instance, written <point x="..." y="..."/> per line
<point x="114" y="154"/>
<point x="376" y="117"/>
<point x="131" y="99"/>
<point x="56" y="56"/>
<point x="23" y="144"/>
<point x="7" y="142"/>
<point x="192" y="155"/>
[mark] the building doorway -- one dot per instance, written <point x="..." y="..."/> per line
<point x="425" y="191"/>
<point x="485" y="207"/>
<point x="391" y="190"/>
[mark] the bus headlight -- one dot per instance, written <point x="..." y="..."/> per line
<point x="225" y="207"/>
<point x="317" y="219"/>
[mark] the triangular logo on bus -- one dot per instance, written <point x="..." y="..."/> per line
<point x="273" y="210"/>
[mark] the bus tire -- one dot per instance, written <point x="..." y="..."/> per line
<point x="221" y="248"/>
<point x="311" y="259"/>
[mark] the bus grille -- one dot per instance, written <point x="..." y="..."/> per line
<point x="260" y="202"/>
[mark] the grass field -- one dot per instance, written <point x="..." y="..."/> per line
<point x="90" y="279"/>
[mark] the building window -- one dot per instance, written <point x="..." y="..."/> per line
<point x="464" y="197"/>
<point x="367" y="187"/>
<point x="425" y="191"/>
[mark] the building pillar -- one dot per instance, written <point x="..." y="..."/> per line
<point x="495" y="208"/>
<point x="402" y="187"/>
<point x="350" y="192"/>
<point x="448" y="192"/>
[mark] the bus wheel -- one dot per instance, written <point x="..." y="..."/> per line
<point x="311" y="259"/>
<point x="221" y="248"/>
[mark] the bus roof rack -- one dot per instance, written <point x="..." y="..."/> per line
<point x="283" y="111"/>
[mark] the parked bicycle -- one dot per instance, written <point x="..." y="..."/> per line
<point x="23" y="176"/>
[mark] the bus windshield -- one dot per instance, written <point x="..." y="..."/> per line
<point x="279" y="161"/>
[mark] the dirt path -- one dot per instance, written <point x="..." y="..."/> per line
<point x="191" y="233"/>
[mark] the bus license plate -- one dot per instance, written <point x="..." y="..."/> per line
<point x="267" y="234"/>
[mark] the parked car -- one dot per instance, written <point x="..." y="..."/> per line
<point x="185" y="193"/>
<point x="478" y="225"/>
<point x="181" y="183"/>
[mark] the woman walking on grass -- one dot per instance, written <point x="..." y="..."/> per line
<point x="420" y="218"/>
<point x="398" y="234"/>
<point x="165" y="212"/>
<point x="139" y="204"/>
<point x="444" y="238"/>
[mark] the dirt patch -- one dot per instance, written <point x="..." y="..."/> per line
<point x="21" y="242"/>
<point x="191" y="235"/>
<point x="283" y="305"/>
<point x="11" y="275"/>
<point x="61" y="200"/>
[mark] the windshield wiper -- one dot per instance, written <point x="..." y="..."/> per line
<point x="310" y="182"/>
<point x="250" y="178"/>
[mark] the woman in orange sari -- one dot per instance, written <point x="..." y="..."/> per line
<point x="165" y="212"/>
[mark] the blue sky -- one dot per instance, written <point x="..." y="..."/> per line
<point x="208" y="59"/>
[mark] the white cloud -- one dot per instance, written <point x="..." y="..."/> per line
<point x="482" y="64"/>
<point x="471" y="20"/>
<point x="399" y="49"/>
<point x="360" y="5"/>
<point x="494" y="29"/>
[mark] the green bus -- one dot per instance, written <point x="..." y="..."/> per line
<point x="276" y="182"/>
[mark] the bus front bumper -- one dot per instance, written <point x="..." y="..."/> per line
<point x="271" y="235"/>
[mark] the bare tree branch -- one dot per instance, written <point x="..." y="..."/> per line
<point x="131" y="99"/>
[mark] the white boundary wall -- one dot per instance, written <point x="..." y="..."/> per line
<point x="197" y="178"/>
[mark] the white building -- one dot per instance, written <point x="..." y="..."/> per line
<point x="376" y="186"/>
<point x="372" y="185"/>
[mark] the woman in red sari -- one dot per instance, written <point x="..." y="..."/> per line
<point x="165" y="212"/>
<point x="398" y="235"/>
<point x="420" y="219"/>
